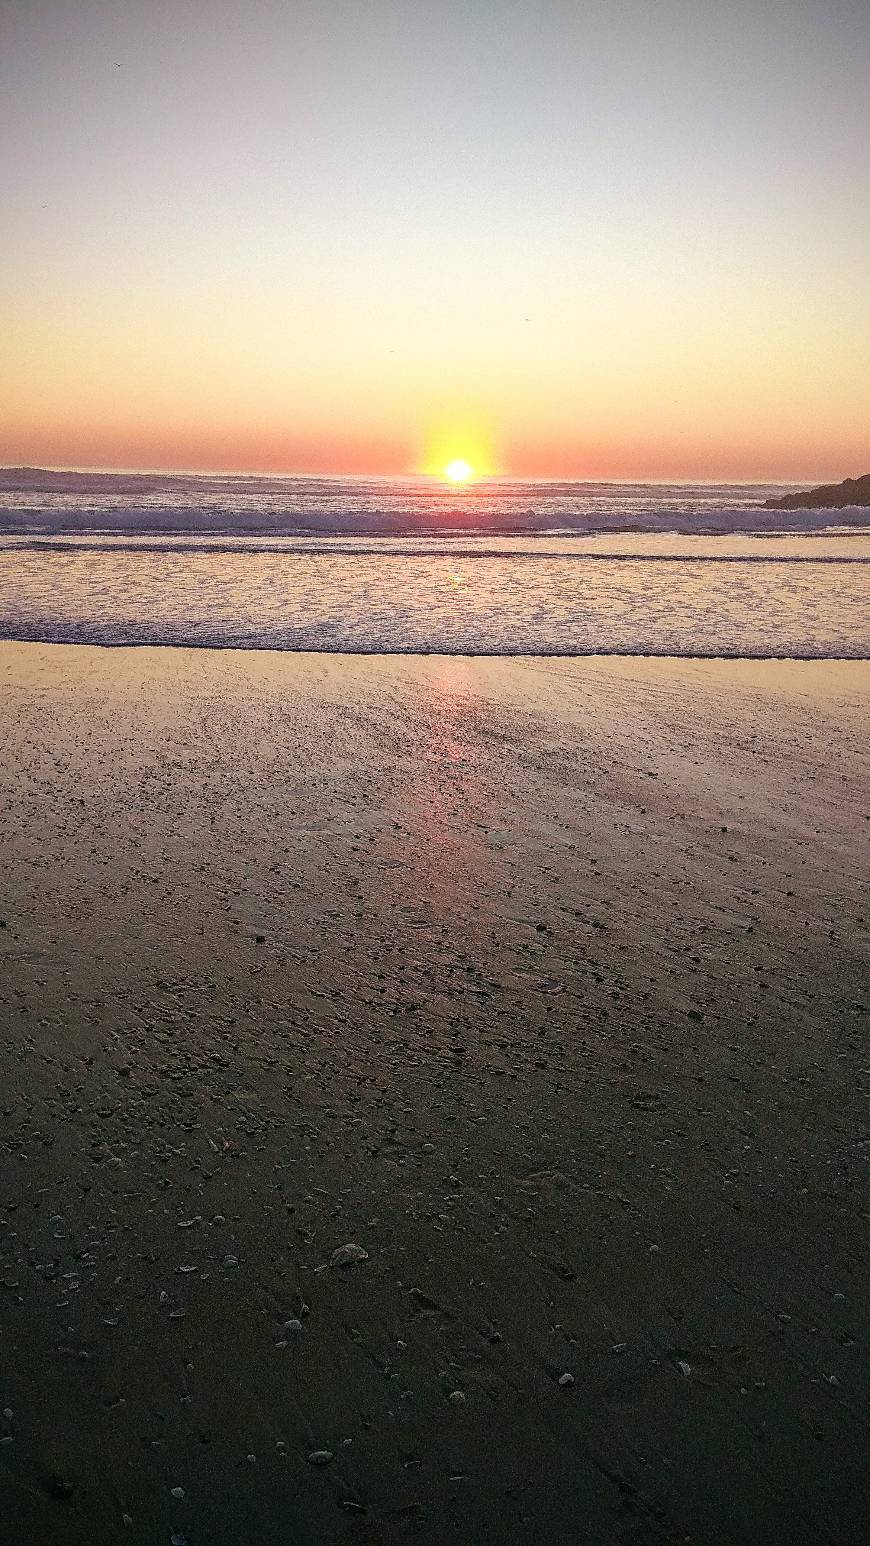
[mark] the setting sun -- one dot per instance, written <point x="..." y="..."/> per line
<point x="459" y="448"/>
<point x="458" y="471"/>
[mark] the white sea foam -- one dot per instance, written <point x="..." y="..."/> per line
<point x="504" y="568"/>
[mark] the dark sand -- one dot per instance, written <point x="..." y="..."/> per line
<point x="541" y="981"/>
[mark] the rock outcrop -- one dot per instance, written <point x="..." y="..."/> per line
<point x="831" y="496"/>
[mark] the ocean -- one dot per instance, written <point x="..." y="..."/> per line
<point x="384" y="566"/>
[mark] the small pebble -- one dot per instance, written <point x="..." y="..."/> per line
<point x="347" y="1254"/>
<point x="178" y="1492"/>
<point x="457" y="1397"/>
<point x="320" y="1457"/>
<point x="565" y="1380"/>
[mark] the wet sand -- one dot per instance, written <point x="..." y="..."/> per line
<point x="542" y="982"/>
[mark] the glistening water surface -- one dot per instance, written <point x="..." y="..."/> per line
<point x="505" y="568"/>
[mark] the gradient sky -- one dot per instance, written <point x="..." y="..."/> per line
<point x="619" y="238"/>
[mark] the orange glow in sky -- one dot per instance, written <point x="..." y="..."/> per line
<point x="581" y="241"/>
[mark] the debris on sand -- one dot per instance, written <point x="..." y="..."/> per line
<point x="346" y="1255"/>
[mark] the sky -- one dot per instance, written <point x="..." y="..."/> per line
<point x="621" y="238"/>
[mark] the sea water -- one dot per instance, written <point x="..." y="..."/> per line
<point x="369" y="566"/>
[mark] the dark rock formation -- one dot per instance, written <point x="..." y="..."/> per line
<point x="831" y="496"/>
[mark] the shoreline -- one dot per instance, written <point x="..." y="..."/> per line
<point x="543" y="980"/>
<point x="418" y="654"/>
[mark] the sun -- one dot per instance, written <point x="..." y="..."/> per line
<point x="458" y="471"/>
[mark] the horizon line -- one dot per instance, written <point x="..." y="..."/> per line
<point x="103" y="469"/>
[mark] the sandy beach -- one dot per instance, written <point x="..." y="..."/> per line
<point x="543" y="982"/>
